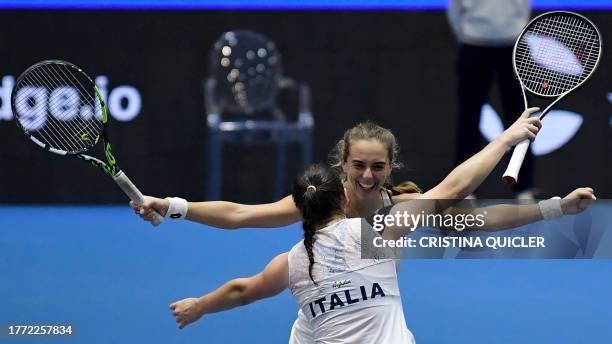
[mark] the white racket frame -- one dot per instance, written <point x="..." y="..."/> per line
<point x="520" y="150"/>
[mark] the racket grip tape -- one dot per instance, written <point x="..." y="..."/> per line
<point x="135" y="195"/>
<point x="516" y="161"/>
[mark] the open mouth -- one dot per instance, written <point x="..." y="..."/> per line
<point x="367" y="186"/>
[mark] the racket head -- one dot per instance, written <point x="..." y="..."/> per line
<point x="556" y="53"/>
<point x="59" y="107"/>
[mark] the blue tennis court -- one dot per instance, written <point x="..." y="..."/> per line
<point x="113" y="276"/>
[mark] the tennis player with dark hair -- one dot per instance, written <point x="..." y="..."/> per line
<point x="346" y="299"/>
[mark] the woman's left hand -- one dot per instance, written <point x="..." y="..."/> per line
<point x="577" y="201"/>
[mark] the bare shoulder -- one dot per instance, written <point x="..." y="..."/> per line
<point x="278" y="264"/>
<point x="280" y="259"/>
<point x="276" y="272"/>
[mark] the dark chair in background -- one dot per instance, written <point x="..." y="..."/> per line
<point x="242" y="105"/>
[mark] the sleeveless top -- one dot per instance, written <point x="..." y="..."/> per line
<point x="301" y="333"/>
<point x="356" y="300"/>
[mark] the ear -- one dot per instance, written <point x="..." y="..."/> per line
<point x="344" y="167"/>
<point x="347" y="200"/>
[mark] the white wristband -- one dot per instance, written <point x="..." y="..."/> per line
<point x="551" y="208"/>
<point x="177" y="209"/>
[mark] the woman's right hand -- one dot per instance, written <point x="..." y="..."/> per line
<point x="145" y="211"/>
<point x="526" y="127"/>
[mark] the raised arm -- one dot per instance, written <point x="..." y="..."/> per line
<point x="465" y="178"/>
<point x="235" y="293"/>
<point x="228" y="215"/>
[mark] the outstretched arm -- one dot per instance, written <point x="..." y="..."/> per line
<point x="505" y="216"/>
<point x="238" y="292"/>
<point x="228" y="215"/>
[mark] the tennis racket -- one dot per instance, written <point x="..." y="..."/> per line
<point x="62" y="110"/>
<point x="554" y="55"/>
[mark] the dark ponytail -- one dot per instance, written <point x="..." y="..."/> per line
<point x="319" y="195"/>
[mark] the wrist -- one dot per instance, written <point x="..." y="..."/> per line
<point x="504" y="141"/>
<point x="201" y="305"/>
<point x="177" y="208"/>
<point x="551" y="208"/>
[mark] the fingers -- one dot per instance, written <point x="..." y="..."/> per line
<point x="530" y="134"/>
<point x="533" y="126"/>
<point x="585" y="193"/>
<point x="134" y="206"/>
<point x="180" y="319"/>
<point x="147" y="210"/>
<point x="535" y="121"/>
<point x="149" y="215"/>
<point x="145" y="213"/>
<point x="181" y="323"/>
<point x="528" y="112"/>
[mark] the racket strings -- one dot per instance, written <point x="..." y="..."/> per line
<point x="57" y="135"/>
<point x="573" y="34"/>
<point x="82" y="94"/>
<point x="558" y="74"/>
<point x="59" y="130"/>
<point x="47" y="125"/>
<point x="72" y="131"/>
<point x="91" y="127"/>
<point x="566" y="78"/>
<point x="46" y="80"/>
<point x="541" y="56"/>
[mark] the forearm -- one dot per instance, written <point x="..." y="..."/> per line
<point x="230" y="215"/>
<point x="465" y="178"/>
<point x="218" y="214"/>
<point x="228" y="296"/>
<point x="503" y="216"/>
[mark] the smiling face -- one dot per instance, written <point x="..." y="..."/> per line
<point x="367" y="167"/>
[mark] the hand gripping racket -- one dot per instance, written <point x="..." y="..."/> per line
<point x="554" y="55"/>
<point x="61" y="109"/>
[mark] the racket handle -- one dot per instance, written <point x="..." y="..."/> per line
<point x="516" y="161"/>
<point x="135" y="195"/>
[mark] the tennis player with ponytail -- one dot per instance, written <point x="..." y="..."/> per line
<point x="345" y="299"/>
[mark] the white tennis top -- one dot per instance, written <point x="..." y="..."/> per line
<point x="356" y="300"/>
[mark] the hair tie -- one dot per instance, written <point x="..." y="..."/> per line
<point x="314" y="188"/>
